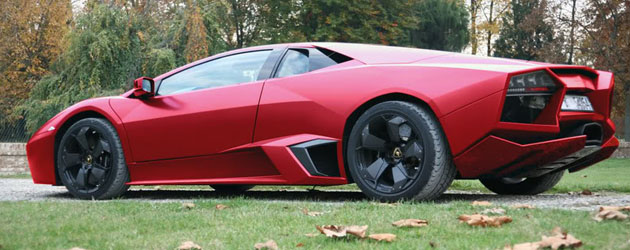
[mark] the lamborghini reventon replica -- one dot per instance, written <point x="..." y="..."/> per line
<point x="401" y="123"/>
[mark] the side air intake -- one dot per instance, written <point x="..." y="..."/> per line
<point x="319" y="157"/>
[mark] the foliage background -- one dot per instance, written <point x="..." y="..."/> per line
<point x="54" y="53"/>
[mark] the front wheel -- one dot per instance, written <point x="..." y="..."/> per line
<point x="397" y="150"/>
<point x="90" y="160"/>
<point x="523" y="186"/>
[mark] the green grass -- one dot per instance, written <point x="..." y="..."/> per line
<point x="146" y="225"/>
<point x="16" y="176"/>
<point x="612" y="175"/>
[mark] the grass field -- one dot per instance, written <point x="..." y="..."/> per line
<point x="126" y="224"/>
<point x="145" y="225"/>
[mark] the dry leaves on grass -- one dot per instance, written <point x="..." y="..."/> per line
<point x="484" y="221"/>
<point x="496" y="210"/>
<point x="188" y="205"/>
<point x="383" y="237"/>
<point x="481" y="203"/>
<point x="586" y="192"/>
<point x="609" y="215"/>
<point x="188" y="245"/>
<point x="311" y="213"/>
<point x="626" y="208"/>
<point x="522" y="206"/>
<point x="411" y="223"/>
<point x="334" y="231"/>
<point x="270" y="245"/>
<point x="559" y="239"/>
<point x="221" y="206"/>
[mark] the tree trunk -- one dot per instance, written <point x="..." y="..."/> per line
<point x="473" y="26"/>
<point x="626" y="120"/>
<point x="572" y="34"/>
<point x="491" y="22"/>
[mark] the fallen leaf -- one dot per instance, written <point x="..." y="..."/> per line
<point x="188" y="205"/>
<point x="334" y="231"/>
<point x="221" y="206"/>
<point x="299" y="244"/>
<point x="484" y="221"/>
<point x="383" y="237"/>
<point x="311" y="213"/>
<point x="559" y="239"/>
<point x="481" y="203"/>
<point x="411" y="223"/>
<point x="188" y="245"/>
<point x="586" y="192"/>
<point x="496" y="210"/>
<point x="525" y="206"/>
<point x="311" y="234"/>
<point x="157" y="187"/>
<point x="584" y="176"/>
<point x="615" y="208"/>
<point x="270" y="244"/>
<point x="609" y="215"/>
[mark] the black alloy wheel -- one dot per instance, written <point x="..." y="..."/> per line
<point x="397" y="150"/>
<point x="390" y="154"/>
<point x="90" y="162"/>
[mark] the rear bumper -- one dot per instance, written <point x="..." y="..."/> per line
<point x="497" y="157"/>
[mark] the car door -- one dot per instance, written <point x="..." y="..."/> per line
<point x="201" y="110"/>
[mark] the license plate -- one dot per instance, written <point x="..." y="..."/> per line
<point x="576" y="103"/>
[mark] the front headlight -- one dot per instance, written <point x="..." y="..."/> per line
<point x="576" y="103"/>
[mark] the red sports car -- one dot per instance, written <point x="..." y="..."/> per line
<point x="401" y="123"/>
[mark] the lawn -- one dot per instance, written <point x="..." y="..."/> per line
<point x="164" y="225"/>
<point x="126" y="224"/>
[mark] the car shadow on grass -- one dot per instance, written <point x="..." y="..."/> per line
<point x="282" y="195"/>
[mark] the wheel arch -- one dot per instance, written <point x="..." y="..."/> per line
<point x="64" y="127"/>
<point x="354" y="116"/>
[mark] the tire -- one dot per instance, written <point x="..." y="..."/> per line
<point x="528" y="186"/>
<point x="414" y="163"/>
<point x="90" y="160"/>
<point x="232" y="188"/>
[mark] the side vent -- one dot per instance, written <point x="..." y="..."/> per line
<point x="319" y="157"/>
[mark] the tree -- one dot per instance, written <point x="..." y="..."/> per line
<point x="526" y="31"/>
<point x="367" y="21"/>
<point x="196" y="44"/>
<point x="103" y="57"/>
<point x="474" y="12"/>
<point x="31" y="38"/>
<point x="607" y="27"/>
<point x="493" y="12"/>
<point x="442" y="25"/>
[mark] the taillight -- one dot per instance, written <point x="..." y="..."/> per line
<point x="531" y="83"/>
<point x="527" y="95"/>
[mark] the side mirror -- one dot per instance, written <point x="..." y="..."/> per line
<point x="144" y="87"/>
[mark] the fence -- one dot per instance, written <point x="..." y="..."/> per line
<point x="13" y="131"/>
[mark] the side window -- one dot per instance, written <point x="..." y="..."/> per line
<point x="295" y="62"/>
<point x="223" y="71"/>
<point x="300" y="61"/>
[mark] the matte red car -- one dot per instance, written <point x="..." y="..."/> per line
<point x="401" y="123"/>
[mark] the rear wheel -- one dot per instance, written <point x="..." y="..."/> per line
<point x="90" y="160"/>
<point x="397" y="150"/>
<point x="232" y="188"/>
<point x="523" y="186"/>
